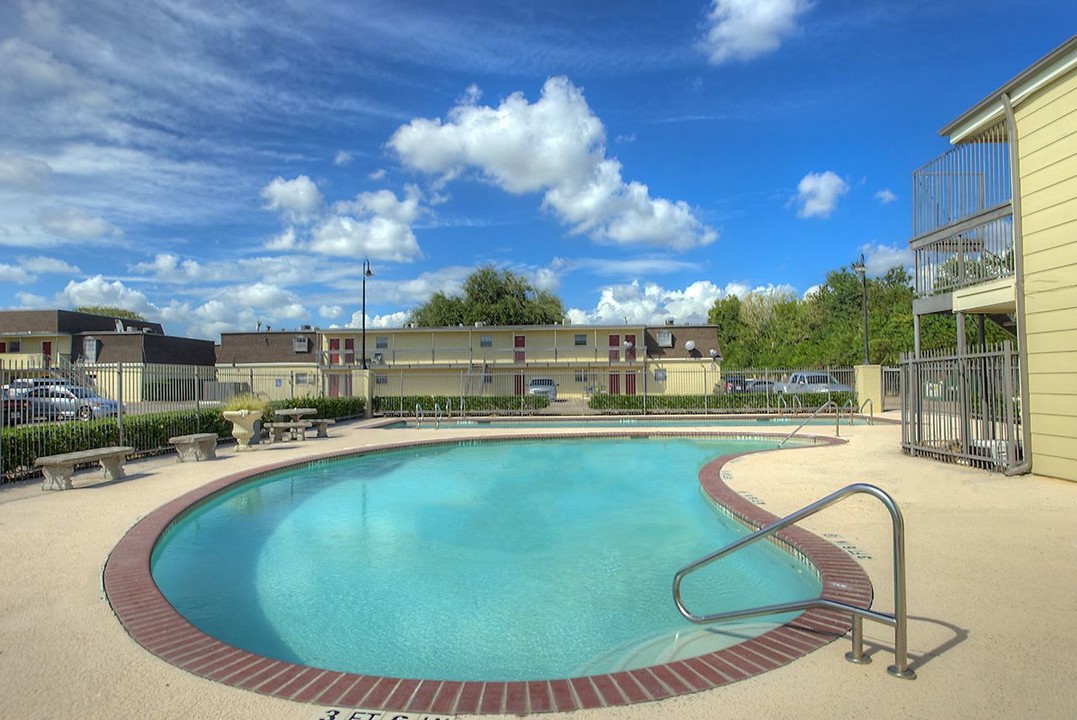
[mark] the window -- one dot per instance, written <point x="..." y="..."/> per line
<point x="487" y="379"/>
<point x="664" y="338"/>
<point x="14" y="346"/>
<point x="580" y="339"/>
<point x="381" y="379"/>
<point x="302" y="379"/>
<point x="582" y="376"/>
<point x="486" y="340"/>
<point x="381" y="342"/>
<point x="659" y="375"/>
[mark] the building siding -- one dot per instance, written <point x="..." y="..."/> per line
<point x="1047" y="128"/>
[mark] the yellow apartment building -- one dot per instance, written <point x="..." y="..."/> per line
<point x="995" y="236"/>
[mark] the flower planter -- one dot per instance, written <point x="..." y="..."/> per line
<point x="243" y="426"/>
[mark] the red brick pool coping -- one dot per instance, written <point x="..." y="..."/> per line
<point x="159" y="628"/>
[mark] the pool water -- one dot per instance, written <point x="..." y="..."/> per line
<point x="475" y="561"/>
<point x="614" y="422"/>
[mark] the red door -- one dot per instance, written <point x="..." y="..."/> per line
<point x="519" y="354"/>
<point x="334" y="351"/>
<point x="334" y="386"/>
<point x="46" y="350"/>
<point x="615" y="384"/>
<point x="630" y="383"/>
<point x="518" y="385"/>
<point x="349" y="351"/>
<point x="615" y="348"/>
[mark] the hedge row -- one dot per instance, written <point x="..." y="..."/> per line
<point x="22" y="444"/>
<point x="729" y="402"/>
<point x="473" y="405"/>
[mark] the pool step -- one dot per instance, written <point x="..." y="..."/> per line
<point x="674" y="645"/>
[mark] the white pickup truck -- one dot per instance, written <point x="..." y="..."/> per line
<point x="811" y="382"/>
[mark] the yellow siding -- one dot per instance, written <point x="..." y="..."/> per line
<point x="1047" y="126"/>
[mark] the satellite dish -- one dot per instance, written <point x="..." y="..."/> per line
<point x="690" y="345"/>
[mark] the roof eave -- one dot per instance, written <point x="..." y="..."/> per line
<point x="989" y="110"/>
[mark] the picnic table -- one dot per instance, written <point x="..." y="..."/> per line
<point x="295" y="413"/>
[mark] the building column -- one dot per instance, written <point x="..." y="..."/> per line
<point x="869" y="386"/>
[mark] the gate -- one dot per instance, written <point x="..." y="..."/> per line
<point x="963" y="408"/>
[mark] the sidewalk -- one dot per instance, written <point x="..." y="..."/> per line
<point x="992" y="579"/>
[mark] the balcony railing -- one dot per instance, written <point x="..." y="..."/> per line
<point x="963" y="216"/>
<point x="483" y="356"/>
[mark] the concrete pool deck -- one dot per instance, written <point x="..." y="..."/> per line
<point x="992" y="572"/>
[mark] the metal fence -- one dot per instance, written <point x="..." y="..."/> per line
<point x="126" y="404"/>
<point x="963" y="408"/>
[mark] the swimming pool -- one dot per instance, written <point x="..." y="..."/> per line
<point x="490" y="561"/>
<point x="155" y="624"/>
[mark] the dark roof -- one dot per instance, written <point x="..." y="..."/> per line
<point x="703" y="337"/>
<point x="141" y="347"/>
<point x="69" y="322"/>
<point x="266" y="347"/>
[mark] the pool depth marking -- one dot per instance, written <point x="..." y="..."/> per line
<point x="157" y="626"/>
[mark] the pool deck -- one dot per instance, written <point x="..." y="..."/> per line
<point x="992" y="572"/>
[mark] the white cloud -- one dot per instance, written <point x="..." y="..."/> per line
<point x="284" y="240"/>
<point x="42" y="265"/>
<point x="651" y="304"/>
<point x="376" y="225"/>
<point x="556" y="146"/>
<point x="885" y="196"/>
<point x="378" y="174"/>
<point x="818" y="194"/>
<point x="330" y="311"/>
<point x="298" y="200"/>
<point x="23" y="173"/>
<point x="97" y="290"/>
<point x="879" y="258"/>
<point x="342" y="158"/>
<point x="72" y="223"/>
<point x="15" y="274"/>
<point x="745" y="29"/>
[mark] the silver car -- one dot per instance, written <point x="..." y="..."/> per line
<point x="543" y="386"/>
<point x="67" y="402"/>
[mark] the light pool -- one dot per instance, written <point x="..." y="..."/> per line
<point x="474" y="561"/>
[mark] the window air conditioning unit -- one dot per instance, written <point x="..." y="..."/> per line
<point x="301" y="344"/>
<point x="379" y="358"/>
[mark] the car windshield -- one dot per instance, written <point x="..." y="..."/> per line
<point x="81" y="392"/>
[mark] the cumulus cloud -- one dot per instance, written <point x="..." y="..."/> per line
<point x="650" y="303"/>
<point x="330" y="311"/>
<point x="746" y="29"/>
<point x="297" y="200"/>
<point x="97" y="290"/>
<point x="375" y="225"/>
<point x="555" y="146"/>
<point x="879" y="258"/>
<point x="42" y="265"/>
<point x="72" y="223"/>
<point x="818" y="194"/>
<point x="886" y="196"/>
<point x="342" y="158"/>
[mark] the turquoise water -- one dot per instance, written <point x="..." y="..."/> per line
<point x="656" y="422"/>
<point x="474" y="561"/>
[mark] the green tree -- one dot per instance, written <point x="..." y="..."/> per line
<point x="493" y="297"/>
<point x="114" y="312"/>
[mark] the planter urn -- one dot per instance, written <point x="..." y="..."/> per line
<point x="243" y="426"/>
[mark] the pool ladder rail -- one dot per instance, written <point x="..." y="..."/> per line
<point x="898" y="620"/>
<point x="821" y="408"/>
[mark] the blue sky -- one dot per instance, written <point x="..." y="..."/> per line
<point x="215" y="166"/>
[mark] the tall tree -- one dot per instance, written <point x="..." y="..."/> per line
<point x="493" y="297"/>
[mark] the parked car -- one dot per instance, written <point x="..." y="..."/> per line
<point x="760" y="386"/>
<point x="735" y="384"/>
<point x="543" y="386"/>
<point x="21" y="386"/>
<point x="67" y="402"/>
<point x="811" y="382"/>
<point x="12" y="409"/>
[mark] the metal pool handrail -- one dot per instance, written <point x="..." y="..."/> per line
<point x="871" y="418"/>
<point x="419" y="415"/>
<point x="837" y="420"/>
<point x="898" y="620"/>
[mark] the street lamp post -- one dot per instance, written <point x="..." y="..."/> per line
<point x="366" y="273"/>
<point x="860" y="270"/>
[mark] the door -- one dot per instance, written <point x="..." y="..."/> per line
<point x="46" y="350"/>
<point x="615" y="348"/>
<point x="518" y="385"/>
<point x="630" y="383"/>
<point x="334" y="351"/>
<point x="349" y="351"/>
<point x="334" y="385"/>
<point x="615" y="383"/>
<point x="519" y="354"/>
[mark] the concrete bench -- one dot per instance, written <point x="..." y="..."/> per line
<point x="296" y="430"/>
<point x="59" y="468"/>
<point x="195" y="447"/>
<point x="321" y="425"/>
